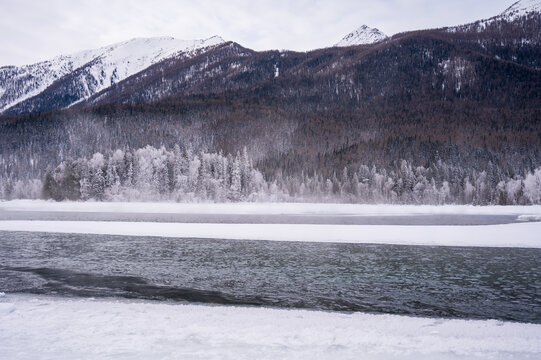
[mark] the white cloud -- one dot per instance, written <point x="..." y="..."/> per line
<point x="34" y="30"/>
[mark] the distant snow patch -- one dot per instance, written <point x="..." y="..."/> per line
<point x="529" y="218"/>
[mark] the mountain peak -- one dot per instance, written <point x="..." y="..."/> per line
<point x="216" y="38"/>
<point x="96" y="69"/>
<point x="522" y="7"/>
<point x="362" y="36"/>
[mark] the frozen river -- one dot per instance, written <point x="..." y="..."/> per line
<point x="125" y="280"/>
<point x="452" y="282"/>
<point x="330" y="219"/>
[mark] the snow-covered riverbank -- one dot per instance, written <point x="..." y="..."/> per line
<point x="38" y="327"/>
<point x="523" y="233"/>
<point x="265" y="208"/>
<point x="509" y="235"/>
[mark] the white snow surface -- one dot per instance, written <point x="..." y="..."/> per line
<point x="524" y="235"/>
<point x="108" y="64"/>
<point x="522" y="7"/>
<point x="39" y="327"/>
<point x="265" y="208"/>
<point x="529" y="218"/>
<point x="362" y="36"/>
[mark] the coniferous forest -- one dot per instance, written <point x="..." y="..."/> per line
<point x="150" y="174"/>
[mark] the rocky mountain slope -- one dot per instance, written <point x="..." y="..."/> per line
<point x="66" y="80"/>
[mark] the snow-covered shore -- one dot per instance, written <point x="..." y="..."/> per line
<point x="265" y="208"/>
<point x="524" y="235"/>
<point x="37" y="327"/>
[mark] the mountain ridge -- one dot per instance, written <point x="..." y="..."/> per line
<point x="61" y="83"/>
<point x="104" y="66"/>
<point x="522" y="7"/>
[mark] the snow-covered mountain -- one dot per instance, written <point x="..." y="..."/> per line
<point x="91" y="71"/>
<point x="521" y="8"/>
<point x="87" y="78"/>
<point x="362" y="36"/>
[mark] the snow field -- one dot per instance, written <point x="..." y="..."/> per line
<point x="525" y="235"/>
<point x="58" y="328"/>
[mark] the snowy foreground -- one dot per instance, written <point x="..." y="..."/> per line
<point x="34" y="327"/>
<point x="266" y="208"/>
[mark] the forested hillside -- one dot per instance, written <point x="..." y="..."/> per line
<point x="457" y="105"/>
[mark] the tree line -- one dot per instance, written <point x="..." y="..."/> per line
<point x="180" y="174"/>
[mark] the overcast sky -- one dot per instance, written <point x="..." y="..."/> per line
<point x="34" y="30"/>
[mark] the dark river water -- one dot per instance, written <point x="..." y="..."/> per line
<point x="478" y="283"/>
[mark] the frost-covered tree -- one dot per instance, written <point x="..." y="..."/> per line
<point x="236" y="180"/>
<point x="532" y="186"/>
